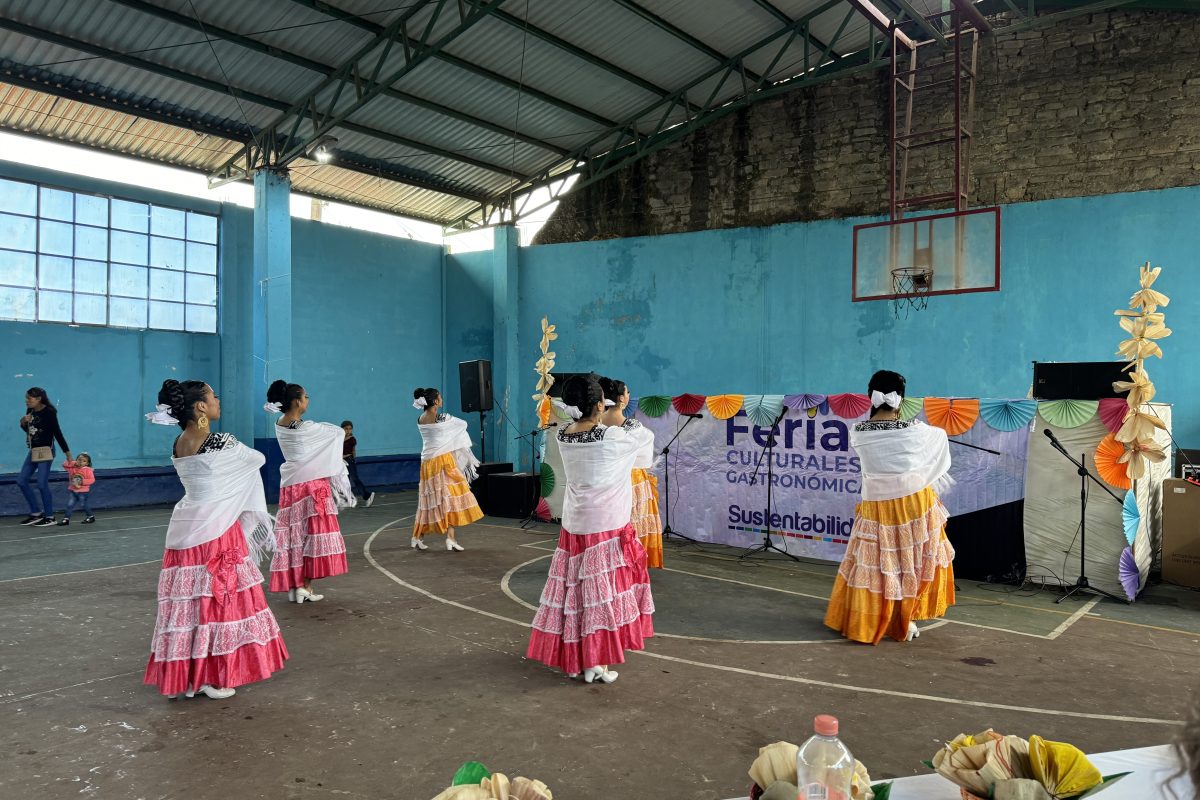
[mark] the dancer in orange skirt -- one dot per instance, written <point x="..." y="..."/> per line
<point x="313" y="484"/>
<point x="448" y="466"/>
<point x="646" y="520"/>
<point x="214" y="630"/>
<point x="898" y="566"/>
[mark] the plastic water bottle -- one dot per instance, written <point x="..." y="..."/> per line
<point x="824" y="766"/>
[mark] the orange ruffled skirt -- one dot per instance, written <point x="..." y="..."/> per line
<point x="444" y="498"/>
<point x="898" y="568"/>
<point x="646" y="520"/>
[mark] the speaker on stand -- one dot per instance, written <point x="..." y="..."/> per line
<point x="475" y="387"/>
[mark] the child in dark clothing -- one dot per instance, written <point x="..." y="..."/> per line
<point x="348" y="455"/>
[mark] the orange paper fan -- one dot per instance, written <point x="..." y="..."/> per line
<point x="724" y="406"/>
<point x="1108" y="462"/>
<point x="952" y="416"/>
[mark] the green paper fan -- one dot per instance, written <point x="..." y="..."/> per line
<point x="1068" y="413"/>
<point x="654" y="405"/>
<point x="910" y="407"/>
<point x="547" y="479"/>
<point x="470" y="774"/>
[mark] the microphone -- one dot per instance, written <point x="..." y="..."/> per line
<point x="694" y="416"/>
<point x="1049" y="434"/>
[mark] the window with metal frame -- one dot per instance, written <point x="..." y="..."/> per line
<point x="86" y="259"/>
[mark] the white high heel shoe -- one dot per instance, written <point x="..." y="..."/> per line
<point x="215" y="694"/>
<point x="417" y="544"/>
<point x="452" y="545"/>
<point x="602" y="674"/>
<point x="913" y="632"/>
<point x="291" y="595"/>
<point x="303" y="594"/>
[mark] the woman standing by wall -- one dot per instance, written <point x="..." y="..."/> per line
<point x="40" y="424"/>
<point x="313" y="484"/>
<point x="214" y="629"/>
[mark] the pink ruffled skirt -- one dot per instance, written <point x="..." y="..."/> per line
<point x="596" y="603"/>
<point x="308" y="541"/>
<point x="213" y="624"/>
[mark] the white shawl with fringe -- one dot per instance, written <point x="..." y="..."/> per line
<point x="449" y="436"/>
<point x="902" y="461"/>
<point x="313" y="450"/>
<point x="599" y="494"/>
<point x="221" y="488"/>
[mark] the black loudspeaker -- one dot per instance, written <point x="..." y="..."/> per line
<point x="1081" y="380"/>
<point x="475" y="385"/>
<point x="511" y="494"/>
<point x="479" y="486"/>
<point x="560" y="378"/>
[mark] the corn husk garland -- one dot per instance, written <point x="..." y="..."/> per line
<point x="543" y="367"/>
<point x="498" y="787"/>
<point x="1145" y="325"/>
<point x="990" y="765"/>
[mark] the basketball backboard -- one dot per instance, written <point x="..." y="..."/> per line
<point x="935" y="254"/>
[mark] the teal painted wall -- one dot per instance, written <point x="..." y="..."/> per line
<point x="469" y="334"/>
<point x="367" y="327"/>
<point x="767" y="310"/>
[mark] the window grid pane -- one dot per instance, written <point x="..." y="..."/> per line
<point x="87" y="259"/>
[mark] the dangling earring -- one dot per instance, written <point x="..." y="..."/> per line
<point x="202" y="422"/>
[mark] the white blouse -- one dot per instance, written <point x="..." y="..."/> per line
<point x="597" y="463"/>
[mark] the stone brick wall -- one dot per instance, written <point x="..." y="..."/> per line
<point x="1101" y="103"/>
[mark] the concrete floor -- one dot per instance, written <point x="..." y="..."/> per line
<point x="413" y="664"/>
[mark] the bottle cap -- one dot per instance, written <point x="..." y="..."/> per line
<point x="825" y="725"/>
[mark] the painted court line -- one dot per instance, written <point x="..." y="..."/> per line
<point x="31" y="695"/>
<point x="80" y="571"/>
<point x="785" y="678"/>
<point x="93" y="532"/>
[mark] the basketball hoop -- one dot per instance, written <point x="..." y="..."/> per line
<point x="911" y="287"/>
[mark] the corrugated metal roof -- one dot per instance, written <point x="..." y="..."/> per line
<point x="145" y="77"/>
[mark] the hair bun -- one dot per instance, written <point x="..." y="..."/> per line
<point x="171" y="394"/>
<point x="418" y="393"/>
<point x="276" y="392"/>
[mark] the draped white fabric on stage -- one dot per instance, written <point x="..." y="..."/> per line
<point x="1052" y="509"/>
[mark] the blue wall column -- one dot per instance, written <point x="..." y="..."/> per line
<point x="506" y="355"/>
<point x="272" y="338"/>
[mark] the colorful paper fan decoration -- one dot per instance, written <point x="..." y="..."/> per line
<point x="803" y="402"/>
<point x="1108" y="462"/>
<point x="1131" y="516"/>
<point x="849" y="406"/>
<point x="1128" y="572"/>
<point x="688" y="403"/>
<point x="1112" y="413"/>
<point x="953" y="416"/>
<point x="724" y="406"/>
<point x="763" y="409"/>
<point x="1007" y="415"/>
<point x="1068" y="413"/>
<point x="910" y="407"/>
<point x="543" y="511"/>
<point x="548" y="479"/>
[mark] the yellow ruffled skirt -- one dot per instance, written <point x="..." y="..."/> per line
<point x="646" y="520"/>
<point x="898" y="568"/>
<point x="444" y="498"/>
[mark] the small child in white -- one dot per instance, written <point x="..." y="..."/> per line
<point x="79" y="479"/>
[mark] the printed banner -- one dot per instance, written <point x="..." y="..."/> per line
<point x="719" y="478"/>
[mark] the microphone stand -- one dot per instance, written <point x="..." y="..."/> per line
<point x="532" y="519"/>
<point x="666" y="453"/>
<point x="766" y="544"/>
<point x="1081" y="583"/>
<point x="974" y="447"/>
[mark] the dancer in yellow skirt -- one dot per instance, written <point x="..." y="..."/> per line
<point x="646" y="520"/>
<point x="444" y="499"/>
<point x="898" y="566"/>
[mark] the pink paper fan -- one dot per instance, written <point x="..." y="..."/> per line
<point x="543" y="511"/>
<point x="1112" y="413"/>
<point x="849" y="406"/>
